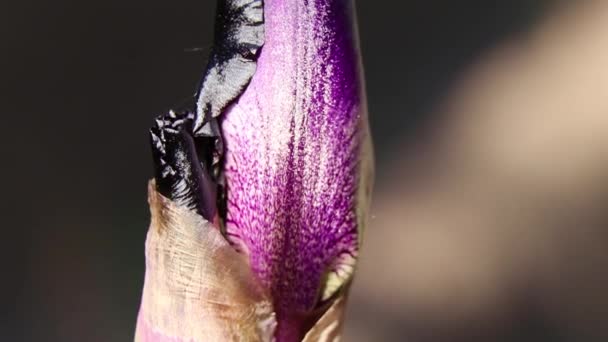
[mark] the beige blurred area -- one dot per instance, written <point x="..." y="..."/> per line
<point x="492" y="225"/>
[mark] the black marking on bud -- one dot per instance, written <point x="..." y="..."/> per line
<point x="183" y="163"/>
<point x="187" y="146"/>
<point x="239" y="36"/>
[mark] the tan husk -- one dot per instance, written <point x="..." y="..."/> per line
<point x="198" y="288"/>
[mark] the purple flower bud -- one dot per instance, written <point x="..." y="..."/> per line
<point x="261" y="193"/>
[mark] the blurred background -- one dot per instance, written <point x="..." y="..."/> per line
<point x="490" y="122"/>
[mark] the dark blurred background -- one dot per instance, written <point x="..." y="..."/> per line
<point x="477" y="259"/>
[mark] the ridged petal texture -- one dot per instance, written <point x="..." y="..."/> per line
<point x="297" y="155"/>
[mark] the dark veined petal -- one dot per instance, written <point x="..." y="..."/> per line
<point x="298" y="159"/>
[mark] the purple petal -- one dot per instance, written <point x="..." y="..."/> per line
<point x="293" y="145"/>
